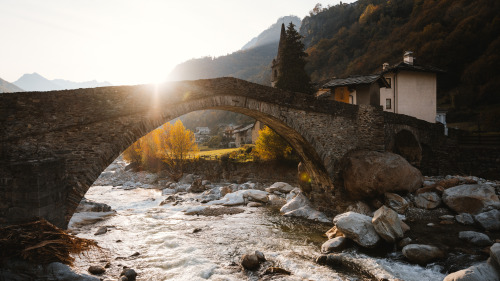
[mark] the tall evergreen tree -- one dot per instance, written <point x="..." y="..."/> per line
<point x="292" y="76"/>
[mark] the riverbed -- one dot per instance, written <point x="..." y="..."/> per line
<point x="162" y="242"/>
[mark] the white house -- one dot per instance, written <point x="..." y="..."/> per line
<point x="405" y="88"/>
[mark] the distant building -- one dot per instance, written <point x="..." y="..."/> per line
<point x="202" y="134"/>
<point x="243" y="135"/>
<point x="275" y="66"/>
<point x="405" y="88"/>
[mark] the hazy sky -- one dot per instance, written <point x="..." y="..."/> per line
<point x="128" y="42"/>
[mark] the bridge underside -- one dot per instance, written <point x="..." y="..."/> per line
<point x="57" y="143"/>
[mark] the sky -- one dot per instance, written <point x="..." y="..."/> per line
<point x="128" y="42"/>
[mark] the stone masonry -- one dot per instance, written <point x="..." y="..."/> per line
<point x="55" y="144"/>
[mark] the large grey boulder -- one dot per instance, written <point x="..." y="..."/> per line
<point x="470" y="198"/>
<point x="427" y="200"/>
<point x="300" y="206"/>
<point x="387" y="224"/>
<point x="422" y="254"/>
<point x="369" y="173"/>
<point x="476" y="238"/>
<point x="87" y="205"/>
<point x="489" y="220"/>
<point x="480" y="272"/>
<point x="357" y="227"/>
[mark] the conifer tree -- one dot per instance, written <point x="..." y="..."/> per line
<point x="292" y="76"/>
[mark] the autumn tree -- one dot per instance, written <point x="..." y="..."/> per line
<point x="270" y="145"/>
<point x="292" y="76"/>
<point x="170" y="144"/>
<point x="176" y="144"/>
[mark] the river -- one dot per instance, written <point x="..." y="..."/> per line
<point x="161" y="242"/>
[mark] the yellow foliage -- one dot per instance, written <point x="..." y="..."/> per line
<point x="370" y="9"/>
<point x="270" y="145"/>
<point x="169" y="143"/>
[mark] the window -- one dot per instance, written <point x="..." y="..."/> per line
<point x="388" y="82"/>
<point x="387" y="103"/>
<point x="351" y="99"/>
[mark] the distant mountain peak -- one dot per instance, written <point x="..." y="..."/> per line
<point x="36" y="82"/>
<point x="272" y="34"/>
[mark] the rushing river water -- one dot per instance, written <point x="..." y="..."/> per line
<point x="174" y="246"/>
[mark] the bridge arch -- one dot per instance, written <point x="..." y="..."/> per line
<point x="57" y="143"/>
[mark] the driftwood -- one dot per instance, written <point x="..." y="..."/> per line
<point x="41" y="242"/>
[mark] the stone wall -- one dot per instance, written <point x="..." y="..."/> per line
<point x="86" y="129"/>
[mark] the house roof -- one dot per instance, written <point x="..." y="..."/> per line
<point x="357" y="80"/>
<point x="415" y="67"/>
<point x="246" y="128"/>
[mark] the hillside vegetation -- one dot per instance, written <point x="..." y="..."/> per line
<point x="460" y="36"/>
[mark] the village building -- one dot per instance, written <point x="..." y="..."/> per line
<point x="201" y="134"/>
<point x="405" y="88"/>
<point x="244" y="134"/>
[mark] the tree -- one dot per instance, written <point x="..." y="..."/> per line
<point x="292" y="76"/>
<point x="176" y="144"/>
<point x="169" y="143"/>
<point x="271" y="146"/>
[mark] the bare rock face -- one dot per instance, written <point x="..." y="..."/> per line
<point x="357" y="227"/>
<point x="370" y="173"/>
<point x="387" y="224"/>
<point x="470" y="198"/>
<point x="422" y="254"/>
<point x="427" y="200"/>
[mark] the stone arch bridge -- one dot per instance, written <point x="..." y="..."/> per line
<point x="54" y="145"/>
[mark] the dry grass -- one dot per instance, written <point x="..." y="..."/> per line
<point x="42" y="242"/>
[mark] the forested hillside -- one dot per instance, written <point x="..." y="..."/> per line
<point x="460" y="36"/>
<point x="252" y="63"/>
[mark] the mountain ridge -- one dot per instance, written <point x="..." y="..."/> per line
<point x="36" y="82"/>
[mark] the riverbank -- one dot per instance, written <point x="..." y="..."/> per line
<point x="198" y="229"/>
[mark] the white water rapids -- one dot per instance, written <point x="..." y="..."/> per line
<point x="170" y="249"/>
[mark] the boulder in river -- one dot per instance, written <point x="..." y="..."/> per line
<point x="300" y="206"/>
<point x="369" y="173"/>
<point x="465" y="218"/>
<point x="196" y="186"/>
<point x="129" y="273"/>
<point x="396" y="202"/>
<point x="470" y="198"/>
<point x="422" y="254"/>
<point x="281" y="187"/>
<point x="335" y="244"/>
<point x="476" y="238"/>
<point x="96" y="269"/>
<point x="357" y="227"/>
<point x="489" y="220"/>
<point x="479" y="272"/>
<point x="250" y="261"/>
<point x="427" y="200"/>
<point x="387" y="224"/>
<point x="360" y="207"/>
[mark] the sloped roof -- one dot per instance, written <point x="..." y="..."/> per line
<point x="357" y="80"/>
<point x="246" y="128"/>
<point x="415" y="67"/>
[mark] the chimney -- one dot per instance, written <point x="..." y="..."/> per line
<point x="385" y="66"/>
<point x="408" y="57"/>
